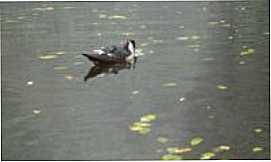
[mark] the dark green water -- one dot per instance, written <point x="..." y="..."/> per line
<point x="50" y="113"/>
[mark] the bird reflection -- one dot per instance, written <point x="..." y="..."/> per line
<point x="98" y="69"/>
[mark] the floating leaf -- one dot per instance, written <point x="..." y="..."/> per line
<point x="247" y="51"/>
<point x="221" y="148"/>
<point x="47" y="57"/>
<point x="148" y="118"/>
<point x="142" y="124"/>
<point x="144" y="131"/>
<point x="207" y="156"/>
<point x="162" y="139"/>
<point x="171" y="157"/>
<point x="257" y="149"/>
<point x="169" y="84"/>
<point x="118" y="17"/>
<point x="135" y="128"/>
<point x="258" y="130"/>
<point x="177" y="150"/>
<point x="196" y="141"/>
<point x="221" y="87"/>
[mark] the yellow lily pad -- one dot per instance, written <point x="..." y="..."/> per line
<point x="207" y="156"/>
<point x="178" y="150"/>
<point x="258" y="130"/>
<point x="142" y="124"/>
<point x="171" y="157"/>
<point x="247" y="51"/>
<point x="257" y="149"/>
<point x="221" y="87"/>
<point x="221" y="148"/>
<point x="47" y="57"/>
<point x="196" y="141"/>
<point x="148" y="118"/>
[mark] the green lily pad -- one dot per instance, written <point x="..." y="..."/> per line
<point x="196" y="141"/>
<point x="178" y="150"/>
<point x="148" y="118"/>
<point x="221" y="87"/>
<point x="257" y="149"/>
<point x="221" y="148"/>
<point x="171" y="157"/>
<point x="142" y="124"/>
<point x="207" y="155"/>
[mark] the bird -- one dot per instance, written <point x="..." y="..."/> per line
<point x="114" y="54"/>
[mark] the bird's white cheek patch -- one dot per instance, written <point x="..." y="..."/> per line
<point x="99" y="52"/>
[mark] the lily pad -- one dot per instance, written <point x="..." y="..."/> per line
<point x="221" y="148"/>
<point x="257" y="149"/>
<point x="196" y="141"/>
<point x="142" y="124"/>
<point x="207" y="156"/>
<point x="247" y="51"/>
<point x="148" y="118"/>
<point x="171" y="157"/>
<point x="258" y="130"/>
<point x="178" y="150"/>
<point x="221" y="87"/>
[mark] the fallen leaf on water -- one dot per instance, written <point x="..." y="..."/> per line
<point x="47" y="57"/>
<point x="207" y="156"/>
<point x="144" y="131"/>
<point x="118" y="17"/>
<point x="162" y="139"/>
<point x="148" y="118"/>
<point x="142" y="124"/>
<point x="258" y="130"/>
<point x="257" y="149"/>
<point x="247" y="51"/>
<point x="178" y="150"/>
<point x="221" y="148"/>
<point x="171" y="157"/>
<point x="221" y="87"/>
<point x="169" y="84"/>
<point x="196" y="141"/>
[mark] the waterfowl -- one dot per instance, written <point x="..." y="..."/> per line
<point x="114" y="54"/>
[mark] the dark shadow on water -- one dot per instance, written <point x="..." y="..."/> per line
<point x="95" y="70"/>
